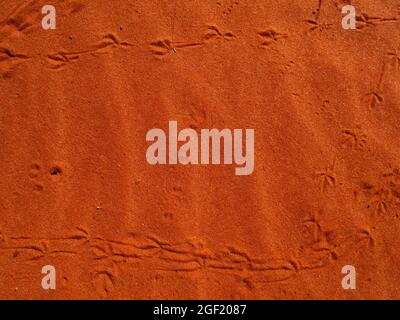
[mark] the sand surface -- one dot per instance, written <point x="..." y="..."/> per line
<point x="77" y="193"/>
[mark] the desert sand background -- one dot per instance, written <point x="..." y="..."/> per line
<point x="76" y="191"/>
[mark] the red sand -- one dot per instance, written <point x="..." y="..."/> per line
<point x="77" y="193"/>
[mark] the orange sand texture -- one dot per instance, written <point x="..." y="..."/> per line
<point x="77" y="193"/>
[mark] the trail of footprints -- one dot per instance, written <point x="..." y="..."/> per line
<point x="108" y="43"/>
<point x="110" y="255"/>
<point x="363" y="20"/>
<point x="381" y="198"/>
<point x="24" y="17"/>
<point x="213" y="34"/>
<point x="163" y="47"/>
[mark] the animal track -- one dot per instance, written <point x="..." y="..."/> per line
<point x="324" y="246"/>
<point x="270" y="36"/>
<point x="9" y="60"/>
<point x="164" y="47"/>
<point x="21" y="19"/>
<point x="364" y="20"/>
<point x="161" y="47"/>
<point x="107" y="44"/>
<point x="381" y="200"/>
<point x="81" y="235"/>
<point x="60" y="59"/>
<point x="383" y="196"/>
<point x="327" y="177"/>
<point x="321" y="247"/>
<point x="315" y="25"/>
<point x="214" y="34"/>
<point x="376" y="96"/>
<point x="354" y="138"/>
<point x="55" y="171"/>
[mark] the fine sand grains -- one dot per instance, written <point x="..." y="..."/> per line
<point x="77" y="192"/>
